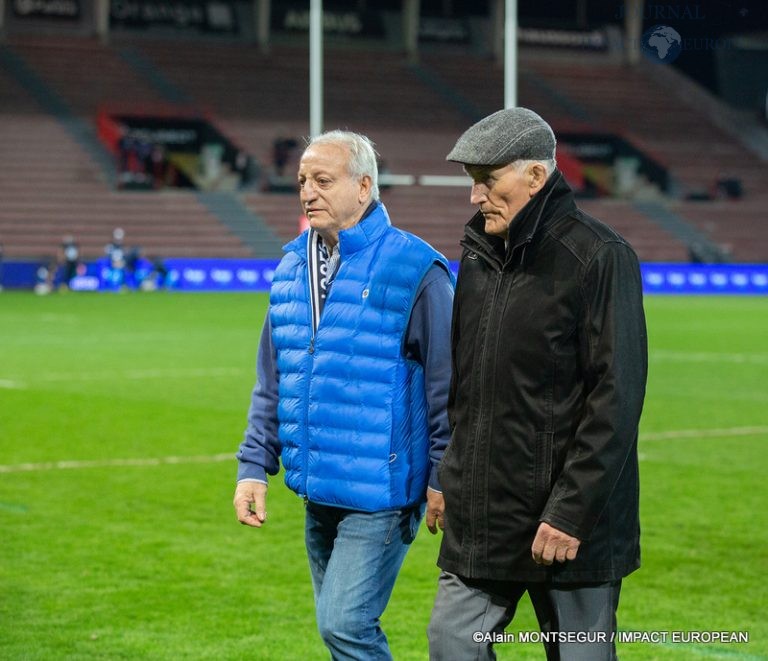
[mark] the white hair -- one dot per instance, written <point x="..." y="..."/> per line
<point x="549" y="165"/>
<point x="362" y="156"/>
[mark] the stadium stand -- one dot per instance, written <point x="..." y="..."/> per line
<point x="737" y="225"/>
<point x="592" y="93"/>
<point x="52" y="184"/>
<point x="556" y="85"/>
<point x="82" y="72"/>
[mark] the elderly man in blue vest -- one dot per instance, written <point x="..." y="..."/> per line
<point x="353" y="378"/>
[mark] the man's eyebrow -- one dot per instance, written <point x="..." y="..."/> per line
<point x="314" y="173"/>
<point x="478" y="172"/>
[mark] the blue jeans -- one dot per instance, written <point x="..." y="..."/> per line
<point x="354" y="558"/>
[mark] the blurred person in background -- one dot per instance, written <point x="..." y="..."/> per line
<point x="282" y="151"/>
<point x="70" y="261"/>
<point x="116" y="258"/>
<point x="549" y="369"/>
<point x="158" y="276"/>
<point x="135" y="267"/>
<point x="353" y="375"/>
<point x="44" y="277"/>
<point x="1" y="266"/>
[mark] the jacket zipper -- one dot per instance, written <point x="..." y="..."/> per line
<point x="311" y="352"/>
<point x="482" y="249"/>
<point x="479" y="428"/>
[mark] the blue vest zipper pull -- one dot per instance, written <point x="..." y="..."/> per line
<point x="312" y="345"/>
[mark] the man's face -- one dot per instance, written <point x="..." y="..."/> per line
<point x="331" y="199"/>
<point x="499" y="192"/>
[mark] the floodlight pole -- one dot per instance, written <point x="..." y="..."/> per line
<point x="510" y="54"/>
<point x="315" y="67"/>
<point x="262" y="11"/>
<point x="633" y="29"/>
<point x="101" y="17"/>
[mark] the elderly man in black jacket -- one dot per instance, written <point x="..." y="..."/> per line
<point x="540" y="479"/>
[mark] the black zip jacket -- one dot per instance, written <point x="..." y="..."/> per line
<point x="549" y="371"/>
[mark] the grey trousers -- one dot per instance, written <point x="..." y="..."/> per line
<point x="577" y="622"/>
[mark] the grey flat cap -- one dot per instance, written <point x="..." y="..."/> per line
<point x="505" y="136"/>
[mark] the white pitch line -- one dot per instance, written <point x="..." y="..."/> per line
<point x="131" y="375"/>
<point x="703" y="433"/>
<point x="229" y="456"/>
<point x="710" y="357"/>
<point x="112" y="463"/>
<point x="11" y="385"/>
<point x="140" y="375"/>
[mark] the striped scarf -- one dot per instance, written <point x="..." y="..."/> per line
<point x="322" y="269"/>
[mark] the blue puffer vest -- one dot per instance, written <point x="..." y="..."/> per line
<point x="352" y="410"/>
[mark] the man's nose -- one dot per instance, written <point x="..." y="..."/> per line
<point x="307" y="190"/>
<point x="478" y="193"/>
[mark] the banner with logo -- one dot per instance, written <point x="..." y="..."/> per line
<point x="187" y="274"/>
<point x="569" y="39"/>
<point x="347" y="23"/>
<point x="444" y="30"/>
<point x="188" y="16"/>
<point x="661" y="278"/>
<point x="56" y="9"/>
<point x="183" y="274"/>
<point x="221" y="274"/>
<point x="609" y="149"/>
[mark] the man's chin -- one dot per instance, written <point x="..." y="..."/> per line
<point x="321" y="226"/>
<point x="495" y="228"/>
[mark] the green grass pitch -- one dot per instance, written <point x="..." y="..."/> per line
<point x="119" y="418"/>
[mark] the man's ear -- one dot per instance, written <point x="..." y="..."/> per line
<point x="365" y="188"/>
<point x="537" y="177"/>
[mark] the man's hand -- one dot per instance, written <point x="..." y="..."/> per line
<point x="435" y="509"/>
<point x="250" y="503"/>
<point x="552" y="544"/>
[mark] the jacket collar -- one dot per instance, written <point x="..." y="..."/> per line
<point x="552" y="202"/>
<point x="374" y="223"/>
